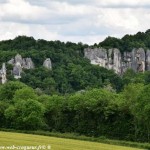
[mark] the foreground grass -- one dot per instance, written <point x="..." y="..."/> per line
<point x="17" y="139"/>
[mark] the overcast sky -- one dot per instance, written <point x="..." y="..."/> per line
<point x="87" y="21"/>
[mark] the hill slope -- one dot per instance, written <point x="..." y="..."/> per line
<point x="70" y="72"/>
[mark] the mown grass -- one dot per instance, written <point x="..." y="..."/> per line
<point x="18" y="139"/>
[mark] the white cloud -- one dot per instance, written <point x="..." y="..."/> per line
<point x="123" y="4"/>
<point x="11" y="30"/>
<point x="15" y="10"/>
<point x="88" y="21"/>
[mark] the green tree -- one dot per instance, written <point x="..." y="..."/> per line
<point x="7" y="91"/>
<point x="130" y="96"/>
<point x="26" y="115"/>
<point x="142" y="109"/>
<point x="25" y="94"/>
<point x="3" y="106"/>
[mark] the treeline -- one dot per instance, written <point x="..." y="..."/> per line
<point x="128" y="42"/>
<point x="75" y="96"/>
<point x="95" y="112"/>
<point x="70" y="72"/>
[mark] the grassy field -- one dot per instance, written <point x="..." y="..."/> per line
<point x="17" y="139"/>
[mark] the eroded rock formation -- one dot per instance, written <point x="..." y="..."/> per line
<point x="47" y="63"/>
<point x="137" y="59"/>
<point x="20" y="63"/>
<point x="3" y="74"/>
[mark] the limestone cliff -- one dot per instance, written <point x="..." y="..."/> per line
<point x="3" y="74"/>
<point x="47" y="63"/>
<point x="137" y="59"/>
<point x="20" y="63"/>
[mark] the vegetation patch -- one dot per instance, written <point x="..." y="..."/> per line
<point x="17" y="139"/>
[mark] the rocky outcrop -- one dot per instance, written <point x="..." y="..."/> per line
<point x="3" y="74"/>
<point x="108" y="59"/>
<point x="17" y="70"/>
<point x="12" y="61"/>
<point x="137" y="59"/>
<point x="47" y="63"/>
<point x="27" y="63"/>
<point x="19" y="64"/>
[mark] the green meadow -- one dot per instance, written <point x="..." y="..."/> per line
<point x="53" y="143"/>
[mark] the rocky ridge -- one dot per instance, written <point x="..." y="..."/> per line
<point x="137" y="59"/>
<point x="19" y="64"/>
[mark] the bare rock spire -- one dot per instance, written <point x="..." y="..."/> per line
<point x="47" y="63"/>
<point x="19" y="64"/>
<point x="3" y="74"/>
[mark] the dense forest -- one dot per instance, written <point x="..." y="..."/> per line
<point x="95" y="112"/>
<point x="70" y="72"/>
<point x="75" y="96"/>
<point x="128" y="42"/>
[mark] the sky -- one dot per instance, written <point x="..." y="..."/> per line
<point x="86" y="21"/>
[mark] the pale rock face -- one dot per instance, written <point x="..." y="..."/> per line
<point x="24" y="63"/>
<point x="27" y="63"/>
<point x="127" y="61"/>
<point x="110" y="59"/>
<point x="19" y="64"/>
<point x="18" y="59"/>
<point x="30" y="64"/>
<point x="17" y="70"/>
<point x="137" y="59"/>
<point x="90" y="53"/>
<point x="148" y="60"/>
<point x="3" y="74"/>
<point x="117" y="61"/>
<point x="97" y="56"/>
<point x="12" y="61"/>
<point x="47" y="63"/>
<point x="140" y="58"/>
